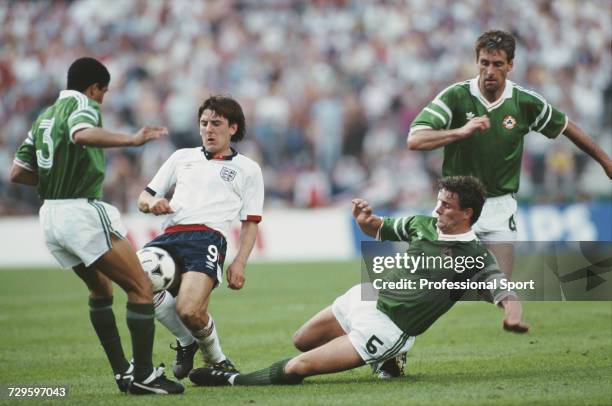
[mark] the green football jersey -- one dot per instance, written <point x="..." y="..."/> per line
<point x="493" y="156"/>
<point x="413" y="310"/>
<point x="65" y="170"/>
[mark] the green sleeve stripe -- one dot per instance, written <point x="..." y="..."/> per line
<point x="395" y="229"/>
<point x="86" y="112"/>
<point x="405" y="219"/>
<point x="545" y="105"/>
<point x="81" y="101"/>
<point x="435" y="113"/>
<point x="539" y="117"/>
<point x="82" y="113"/>
<point x="547" y="119"/>
<point x="444" y="107"/>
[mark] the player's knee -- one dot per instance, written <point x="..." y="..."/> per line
<point x="138" y="290"/>
<point x="190" y="316"/>
<point x="103" y="289"/>
<point x="298" y="366"/>
<point x="299" y="340"/>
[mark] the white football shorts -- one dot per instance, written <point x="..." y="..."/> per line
<point x="372" y="333"/>
<point x="79" y="230"/>
<point x="497" y="221"/>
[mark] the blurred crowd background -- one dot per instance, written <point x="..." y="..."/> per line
<point x="329" y="87"/>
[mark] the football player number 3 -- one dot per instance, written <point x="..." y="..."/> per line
<point x="46" y="162"/>
<point x="213" y="253"/>
<point x="370" y="345"/>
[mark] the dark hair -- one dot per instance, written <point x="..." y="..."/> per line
<point x="470" y="191"/>
<point x="84" y="72"/>
<point x="229" y="108"/>
<point x="496" y="40"/>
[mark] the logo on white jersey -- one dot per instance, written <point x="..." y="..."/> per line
<point x="509" y="122"/>
<point x="227" y="174"/>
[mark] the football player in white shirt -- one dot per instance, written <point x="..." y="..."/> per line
<point x="214" y="185"/>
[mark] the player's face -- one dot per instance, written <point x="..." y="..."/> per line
<point x="216" y="133"/>
<point x="493" y="67"/>
<point x="451" y="218"/>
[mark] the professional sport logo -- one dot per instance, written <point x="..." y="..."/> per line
<point x="509" y="122"/>
<point x="227" y="174"/>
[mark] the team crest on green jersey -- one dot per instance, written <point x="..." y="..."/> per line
<point x="509" y="122"/>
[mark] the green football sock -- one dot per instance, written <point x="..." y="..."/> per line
<point x="273" y="375"/>
<point x="141" y="322"/>
<point x="103" y="321"/>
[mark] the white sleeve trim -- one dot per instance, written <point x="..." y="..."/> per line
<point x="23" y="165"/>
<point x="77" y="128"/>
<point x="378" y="236"/>
<point x="564" y="126"/>
<point x="418" y="128"/>
<point x="501" y="296"/>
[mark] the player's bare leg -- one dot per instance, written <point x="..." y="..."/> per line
<point x="320" y="329"/>
<point x="122" y="266"/>
<point x="335" y="356"/>
<point x="504" y="253"/>
<point x="99" y="285"/>
<point x="192" y="308"/>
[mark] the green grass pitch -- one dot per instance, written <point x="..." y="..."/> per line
<point x="465" y="358"/>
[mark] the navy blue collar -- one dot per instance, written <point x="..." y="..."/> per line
<point x="220" y="157"/>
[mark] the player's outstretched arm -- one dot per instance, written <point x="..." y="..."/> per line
<point x="367" y="221"/>
<point x="513" y="320"/>
<point x="588" y="145"/>
<point x="235" y="272"/>
<point x="22" y="175"/>
<point x="426" y="140"/>
<point x="147" y="203"/>
<point x="101" y="138"/>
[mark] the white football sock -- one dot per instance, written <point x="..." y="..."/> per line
<point x="165" y="313"/>
<point x="208" y="341"/>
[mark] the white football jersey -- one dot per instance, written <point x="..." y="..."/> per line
<point x="210" y="191"/>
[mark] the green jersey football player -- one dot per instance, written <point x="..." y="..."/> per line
<point x="481" y="123"/>
<point x="63" y="155"/>
<point x="353" y="332"/>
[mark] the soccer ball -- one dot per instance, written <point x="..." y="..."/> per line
<point x="159" y="266"/>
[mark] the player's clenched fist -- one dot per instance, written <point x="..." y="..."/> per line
<point x="235" y="276"/>
<point x="160" y="206"/>
<point x="475" y="124"/>
<point x="367" y="221"/>
<point x="361" y="208"/>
